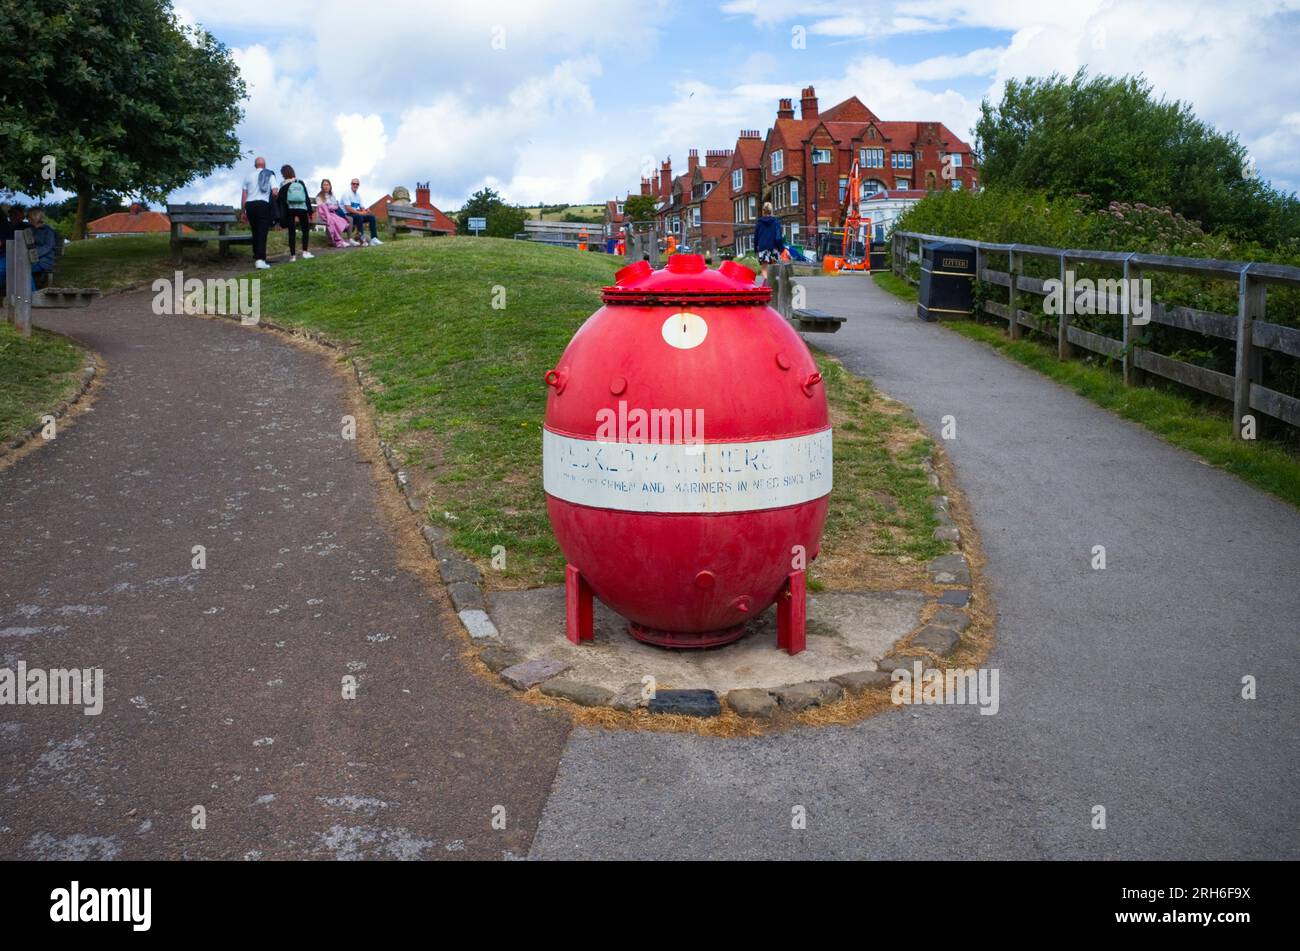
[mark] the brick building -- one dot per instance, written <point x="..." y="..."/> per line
<point x="806" y="161"/>
<point x="441" y="223"/>
<point x="745" y="188"/>
<point x="802" y="167"/>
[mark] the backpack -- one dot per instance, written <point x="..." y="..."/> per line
<point x="296" y="196"/>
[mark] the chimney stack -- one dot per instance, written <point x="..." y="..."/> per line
<point x="808" y="103"/>
<point x="422" y="195"/>
<point x="693" y="161"/>
<point x="666" y="178"/>
<point x="645" y="186"/>
<point x="717" y="158"/>
<point x="785" y="109"/>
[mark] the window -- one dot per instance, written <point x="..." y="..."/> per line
<point x="844" y="186"/>
<point x="738" y="211"/>
<point x="903" y="183"/>
<point x="778" y="162"/>
<point x="871" y="186"/>
<point x="708" y="187"/>
<point x="821" y="156"/>
<point x="695" y="217"/>
<point x="737" y="180"/>
<point x="794" y="194"/>
<point x="871" y="158"/>
<point x="956" y="159"/>
<point x="908" y="160"/>
<point x="619" y="207"/>
<point x="794" y="233"/>
<point x="956" y="184"/>
<point x="753" y="207"/>
<point x="676" y="224"/>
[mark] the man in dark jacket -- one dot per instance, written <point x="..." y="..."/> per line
<point x="45" y="241"/>
<point x="768" y="241"/>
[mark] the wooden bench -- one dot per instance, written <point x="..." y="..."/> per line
<point x="222" y="216"/>
<point x="410" y="218"/>
<point x="817" y="321"/>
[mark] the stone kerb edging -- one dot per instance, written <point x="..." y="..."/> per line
<point x="932" y="642"/>
<point x="89" y="371"/>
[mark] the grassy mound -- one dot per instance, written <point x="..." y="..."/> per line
<point x="35" y="375"/>
<point x="454" y="335"/>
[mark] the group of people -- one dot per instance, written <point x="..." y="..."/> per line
<point x="45" y="240"/>
<point x="269" y="200"/>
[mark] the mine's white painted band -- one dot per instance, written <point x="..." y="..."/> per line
<point x="699" y="479"/>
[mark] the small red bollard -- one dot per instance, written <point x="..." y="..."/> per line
<point x="792" y="614"/>
<point x="577" y="606"/>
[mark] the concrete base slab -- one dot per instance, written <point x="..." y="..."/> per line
<point x="847" y="631"/>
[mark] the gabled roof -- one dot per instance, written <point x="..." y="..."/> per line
<point x="850" y="110"/>
<point x="440" y="221"/>
<point x="133" y="222"/>
<point x="748" y="153"/>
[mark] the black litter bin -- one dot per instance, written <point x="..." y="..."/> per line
<point x="879" y="256"/>
<point x="947" y="273"/>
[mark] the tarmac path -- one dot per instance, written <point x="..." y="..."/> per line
<point x="224" y="685"/>
<point x="1119" y="688"/>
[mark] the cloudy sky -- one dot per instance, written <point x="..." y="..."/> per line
<point x="564" y="101"/>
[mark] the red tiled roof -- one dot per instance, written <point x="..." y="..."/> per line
<point x="140" y="222"/>
<point x="850" y="110"/>
<point x="440" y="221"/>
<point x="748" y="153"/>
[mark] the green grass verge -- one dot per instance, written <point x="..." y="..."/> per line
<point x="457" y="386"/>
<point x="35" y="375"/>
<point x="1175" y="418"/>
<point x="112" y="264"/>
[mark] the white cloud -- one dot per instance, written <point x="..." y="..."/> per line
<point x="583" y="96"/>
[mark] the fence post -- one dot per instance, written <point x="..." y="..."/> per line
<point x="1063" y="349"/>
<point x="1251" y="300"/>
<point x="11" y="253"/>
<point x="783" y="289"/>
<point x="1015" y="264"/>
<point x="1132" y="375"/>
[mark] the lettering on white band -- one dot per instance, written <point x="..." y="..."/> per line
<point x="697" y="479"/>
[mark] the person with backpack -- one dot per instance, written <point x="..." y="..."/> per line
<point x="295" y="209"/>
<point x="258" y="205"/>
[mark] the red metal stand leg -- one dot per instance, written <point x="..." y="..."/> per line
<point x="577" y="606"/>
<point x="792" y="614"/>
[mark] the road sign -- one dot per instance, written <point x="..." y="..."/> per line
<point x="477" y="224"/>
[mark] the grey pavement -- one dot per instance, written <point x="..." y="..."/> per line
<point x="1118" y="688"/>
<point x="224" y="685"/>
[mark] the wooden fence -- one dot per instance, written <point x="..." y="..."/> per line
<point x="1247" y="329"/>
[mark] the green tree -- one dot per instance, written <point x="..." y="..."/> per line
<point x="503" y="220"/>
<point x="639" y="208"/>
<point x="112" y="96"/>
<point x="1112" y="140"/>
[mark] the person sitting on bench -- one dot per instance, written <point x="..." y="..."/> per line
<point x="356" y="209"/>
<point x="46" y="241"/>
